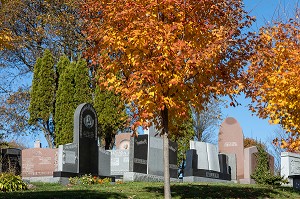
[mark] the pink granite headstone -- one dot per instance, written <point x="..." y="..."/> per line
<point x="231" y="141"/>
<point x="38" y="162"/>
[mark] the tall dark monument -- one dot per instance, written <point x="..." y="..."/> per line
<point x="85" y="135"/>
<point x="81" y="156"/>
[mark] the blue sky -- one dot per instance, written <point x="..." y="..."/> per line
<point x="265" y="11"/>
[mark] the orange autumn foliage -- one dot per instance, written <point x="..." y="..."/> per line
<point x="274" y="80"/>
<point x="166" y="54"/>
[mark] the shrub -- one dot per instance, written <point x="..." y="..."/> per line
<point x="10" y="182"/>
<point x="262" y="173"/>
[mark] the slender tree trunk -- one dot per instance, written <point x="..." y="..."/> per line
<point x="167" y="189"/>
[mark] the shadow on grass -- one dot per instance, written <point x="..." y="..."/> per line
<point x="224" y="191"/>
<point x="61" y="194"/>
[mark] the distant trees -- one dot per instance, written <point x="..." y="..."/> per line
<point x="112" y="115"/>
<point x="205" y="121"/>
<point x="42" y="96"/>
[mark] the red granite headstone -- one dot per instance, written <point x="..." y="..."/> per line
<point x="38" y="162"/>
<point x="231" y="140"/>
<point x="123" y="140"/>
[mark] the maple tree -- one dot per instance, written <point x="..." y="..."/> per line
<point x="274" y="81"/>
<point x="164" y="56"/>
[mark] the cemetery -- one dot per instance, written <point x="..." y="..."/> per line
<point x="141" y="158"/>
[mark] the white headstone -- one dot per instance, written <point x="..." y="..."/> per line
<point x="201" y="149"/>
<point x="290" y="165"/>
<point x="212" y="157"/>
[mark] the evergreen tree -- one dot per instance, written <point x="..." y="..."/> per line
<point x="83" y="92"/>
<point x="262" y="173"/>
<point x="73" y="89"/>
<point x="111" y="115"/>
<point x="65" y="105"/>
<point x="42" y="102"/>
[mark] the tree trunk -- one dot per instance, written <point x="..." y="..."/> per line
<point x="167" y="189"/>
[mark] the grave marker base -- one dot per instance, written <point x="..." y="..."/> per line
<point x="141" y="177"/>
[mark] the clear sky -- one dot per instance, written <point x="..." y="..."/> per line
<point x="265" y="11"/>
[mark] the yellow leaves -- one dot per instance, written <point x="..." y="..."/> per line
<point x="5" y="39"/>
<point x="274" y="78"/>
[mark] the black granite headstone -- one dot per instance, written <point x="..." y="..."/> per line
<point x="191" y="168"/>
<point x="85" y="135"/>
<point x="191" y="159"/>
<point x="223" y="161"/>
<point x="11" y="160"/>
<point x="138" y="154"/>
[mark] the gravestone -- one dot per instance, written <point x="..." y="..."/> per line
<point x="250" y="163"/>
<point x="138" y="155"/>
<point x="290" y="167"/>
<point x="193" y="172"/>
<point x="68" y="158"/>
<point x="123" y="141"/>
<point x="207" y="155"/>
<point x="146" y="157"/>
<point x="104" y="165"/>
<point x="231" y="165"/>
<point x="81" y="156"/>
<point x="155" y="157"/>
<point x="223" y="162"/>
<point x="38" y="164"/>
<point x="10" y="160"/>
<point x="231" y="141"/>
<point x="119" y="162"/>
<point x="201" y="150"/>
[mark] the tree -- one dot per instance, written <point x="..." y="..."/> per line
<point x="206" y="121"/>
<point x="248" y="142"/>
<point x="262" y="173"/>
<point x="273" y="78"/>
<point x="274" y="141"/>
<point x="73" y="89"/>
<point x="36" y="25"/>
<point x="164" y="56"/>
<point x="14" y="114"/>
<point x="5" y="39"/>
<point x="42" y="96"/>
<point x="111" y="115"/>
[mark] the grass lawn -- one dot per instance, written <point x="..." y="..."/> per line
<point x="153" y="191"/>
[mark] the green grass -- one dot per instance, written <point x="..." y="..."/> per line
<point x="153" y="191"/>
